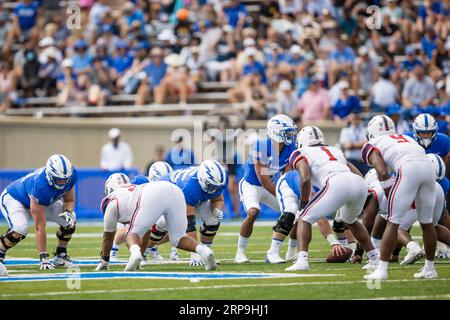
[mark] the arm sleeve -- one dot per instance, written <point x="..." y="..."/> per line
<point x="295" y="157"/>
<point x="366" y="150"/>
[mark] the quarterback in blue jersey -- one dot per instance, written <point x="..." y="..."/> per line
<point x="202" y="187"/>
<point x="268" y="159"/>
<point x="425" y="132"/>
<point x="46" y="194"/>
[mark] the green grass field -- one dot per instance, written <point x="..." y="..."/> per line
<point x="328" y="281"/>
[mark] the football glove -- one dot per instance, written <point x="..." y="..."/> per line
<point x="69" y="217"/>
<point x="218" y="214"/>
<point x="196" y="260"/>
<point x="45" y="262"/>
<point x="102" y="266"/>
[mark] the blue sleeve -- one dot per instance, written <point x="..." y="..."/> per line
<point x="259" y="152"/>
<point x="445" y="184"/>
<point x="447" y="145"/>
<point x="139" y="179"/>
<point x="192" y="157"/>
<point x="191" y="196"/>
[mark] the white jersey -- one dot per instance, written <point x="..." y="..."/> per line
<point x="394" y="149"/>
<point x="377" y="191"/>
<point x="120" y="205"/>
<point x="324" y="161"/>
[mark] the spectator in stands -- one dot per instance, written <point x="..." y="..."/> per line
<point x="341" y="60"/>
<point x="121" y="60"/>
<point x="388" y="37"/>
<point x="98" y="10"/>
<point x="314" y="104"/>
<point x="223" y="57"/>
<point x="352" y="139"/>
<point x="66" y="83"/>
<point x="365" y="71"/>
<point x="401" y="125"/>
<point x="158" y="156"/>
<point x="394" y="12"/>
<point x="441" y="57"/>
<point x="195" y="65"/>
<point x="108" y="38"/>
<point x="5" y="32"/>
<point x="179" y="156"/>
<point x="7" y="86"/>
<point x="102" y="86"/>
<point x="131" y="79"/>
<point x="383" y="94"/>
<point x="419" y="90"/>
<point x="290" y="7"/>
<point x="235" y="14"/>
<point x="48" y="71"/>
<point x="116" y="155"/>
<point x="176" y="81"/>
<point x="46" y="45"/>
<point x="428" y="43"/>
<point x="26" y="67"/>
<point x="411" y="62"/>
<point x="346" y="104"/>
<point x="286" y="98"/>
<point x="82" y="60"/>
<point x="154" y="72"/>
<point x="25" y="16"/>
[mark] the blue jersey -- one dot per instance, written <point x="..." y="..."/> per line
<point x="265" y="152"/>
<point x="293" y="181"/>
<point x="439" y="146"/>
<point x="35" y="185"/>
<point x="139" y="179"/>
<point x="445" y="184"/>
<point x="187" y="181"/>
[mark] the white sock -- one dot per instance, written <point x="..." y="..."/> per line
<point x="135" y="250"/>
<point x="373" y="255"/>
<point x="429" y="265"/>
<point x="303" y="254"/>
<point x="383" y="265"/>
<point x="352" y="245"/>
<point x="293" y="243"/>
<point x="200" y="249"/>
<point x="343" y="241"/>
<point x="207" y="244"/>
<point x="115" y="247"/>
<point x="375" y="242"/>
<point x="242" y="243"/>
<point x="413" y="245"/>
<point x="332" y="240"/>
<point x="276" y="245"/>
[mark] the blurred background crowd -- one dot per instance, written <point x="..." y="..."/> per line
<point x="318" y="60"/>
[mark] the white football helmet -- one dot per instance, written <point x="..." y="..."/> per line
<point x="212" y="176"/>
<point x="379" y="126"/>
<point x="282" y="129"/>
<point x="114" y="181"/>
<point x="310" y="136"/>
<point x="58" y="171"/>
<point x="439" y="165"/>
<point x="159" y="169"/>
<point x="425" y="123"/>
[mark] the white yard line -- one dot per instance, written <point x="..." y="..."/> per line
<point x="230" y="286"/>
<point x="431" y="296"/>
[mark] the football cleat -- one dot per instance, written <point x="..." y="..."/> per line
<point x="377" y="275"/>
<point x="134" y="262"/>
<point x="441" y="250"/>
<point x="114" y="255"/>
<point x="208" y="259"/>
<point x="274" y="258"/>
<point x="3" y="270"/>
<point x="291" y="254"/>
<point x="241" y="258"/>
<point x="301" y="264"/>
<point x="174" y="255"/>
<point x="154" y="255"/>
<point x="413" y="255"/>
<point x="62" y="260"/>
<point x="426" y="274"/>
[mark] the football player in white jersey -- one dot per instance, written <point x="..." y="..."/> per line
<point x="342" y="187"/>
<point x="414" y="180"/>
<point x="141" y="206"/>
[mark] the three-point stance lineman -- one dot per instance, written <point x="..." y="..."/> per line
<point x="45" y="194"/>
<point x="141" y="206"/>
<point x="414" y="180"/>
<point x="342" y="187"/>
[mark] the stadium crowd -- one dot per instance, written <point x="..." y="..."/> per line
<point x="320" y="59"/>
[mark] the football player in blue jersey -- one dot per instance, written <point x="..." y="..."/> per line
<point x="46" y="194"/>
<point x="202" y="187"/>
<point x="425" y="132"/>
<point x="268" y="159"/>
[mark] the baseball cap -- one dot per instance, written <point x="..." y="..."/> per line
<point x="410" y="50"/>
<point x="122" y="44"/>
<point x="248" y="42"/>
<point x="344" y="85"/>
<point x="250" y="51"/>
<point x="80" y="44"/>
<point x="285" y="85"/>
<point x="107" y="28"/>
<point x="114" y="133"/>
<point x="46" y="41"/>
<point x="295" y="49"/>
<point x="67" y="63"/>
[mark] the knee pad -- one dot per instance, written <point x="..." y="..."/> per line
<point x="191" y="224"/>
<point x="8" y="239"/>
<point x="338" y="226"/>
<point x="209" y="231"/>
<point x="156" y="235"/>
<point x="65" y="233"/>
<point x="284" y="223"/>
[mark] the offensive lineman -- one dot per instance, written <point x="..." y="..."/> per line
<point x="45" y="194"/>
<point x="268" y="159"/>
<point x="342" y="188"/>
<point x="141" y="206"/>
<point x="414" y="180"/>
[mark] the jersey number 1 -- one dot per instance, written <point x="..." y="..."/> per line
<point x="332" y="158"/>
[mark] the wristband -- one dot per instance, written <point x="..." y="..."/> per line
<point x="386" y="183"/>
<point x="332" y="240"/>
<point x="43" y="255"/>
